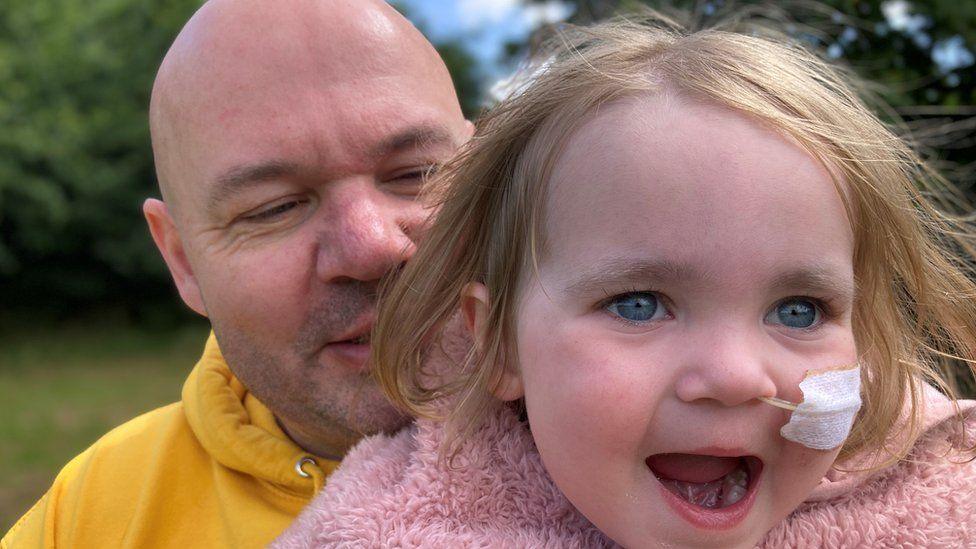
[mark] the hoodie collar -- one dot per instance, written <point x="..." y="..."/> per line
<point x="241" y="433"/>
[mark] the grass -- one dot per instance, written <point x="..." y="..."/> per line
<point x="62" y="388"/>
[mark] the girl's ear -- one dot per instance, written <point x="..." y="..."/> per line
<point x="475" y="306"/>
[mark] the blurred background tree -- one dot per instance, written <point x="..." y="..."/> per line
<point x="75" y="162"/>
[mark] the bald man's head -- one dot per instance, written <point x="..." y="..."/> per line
<point x="250" y="49"/>
<point x="291" y="138"/>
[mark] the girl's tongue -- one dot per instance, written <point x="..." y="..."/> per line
<point x="691" y="467"/>
<point x="705" y="481"/>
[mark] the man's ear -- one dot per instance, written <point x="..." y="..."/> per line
<point x="168" y="241"/>
<point x="474" y="308"/>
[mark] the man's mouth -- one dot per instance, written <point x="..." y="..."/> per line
<point x="353" y="349"/>
<point x="704" y="481"/>
<point x="360" y="340"/>
<point x="357" y="334"/>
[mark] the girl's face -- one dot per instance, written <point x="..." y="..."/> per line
<point x="695" y="260"/>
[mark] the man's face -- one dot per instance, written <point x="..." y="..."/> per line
<point x="302" y="175"/>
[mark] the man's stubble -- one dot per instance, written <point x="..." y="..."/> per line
<point x="302" y="389"/>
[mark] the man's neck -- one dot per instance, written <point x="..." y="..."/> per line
<point x="325" y="443"/>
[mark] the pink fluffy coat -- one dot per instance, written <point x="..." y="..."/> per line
<point x="391" y="491"/>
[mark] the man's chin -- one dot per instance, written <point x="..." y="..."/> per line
<point x="356" y="403"/>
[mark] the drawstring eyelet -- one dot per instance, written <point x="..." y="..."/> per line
<point x="301" y="463"/>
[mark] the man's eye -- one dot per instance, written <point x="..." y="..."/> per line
<point x="413" y="177"/>
<point x="636" y="306"/>
<point x="273" y="212"/>
<point x="408" y="176"/>
<point x="795" y="312"/>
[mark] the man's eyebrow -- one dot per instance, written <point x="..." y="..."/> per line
<point x="630" y="271"/>
<point x="237" y="178"/>
<point x="413" y="137"/>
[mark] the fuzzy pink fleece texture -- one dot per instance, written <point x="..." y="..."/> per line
<point x="391" y="491"/>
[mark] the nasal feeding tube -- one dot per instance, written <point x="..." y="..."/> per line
<point x="823" y="419"/>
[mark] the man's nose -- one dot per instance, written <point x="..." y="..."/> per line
<point x="728" y="368"/>
<point x="364" y="237"/>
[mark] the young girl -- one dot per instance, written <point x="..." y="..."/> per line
<point x="655" y="235"/>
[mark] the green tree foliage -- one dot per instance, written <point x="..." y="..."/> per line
<point x="75" y="157"/>
<point x="75" y="161"/>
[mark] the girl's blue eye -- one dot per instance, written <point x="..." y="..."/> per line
<point x="636" y="306"/>
<point x="795" y="313"/>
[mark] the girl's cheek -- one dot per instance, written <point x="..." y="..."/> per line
<point x="593" y="404"/>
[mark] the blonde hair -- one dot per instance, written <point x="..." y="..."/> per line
<point x="915" y="310"/>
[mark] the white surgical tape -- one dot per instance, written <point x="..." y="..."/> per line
<point x="823" y="419"/>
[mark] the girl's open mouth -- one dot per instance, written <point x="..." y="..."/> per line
<point x="709" y="491"/>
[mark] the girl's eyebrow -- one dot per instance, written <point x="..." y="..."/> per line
<point x="630" y="271"/>
<point x="817" y="278"/>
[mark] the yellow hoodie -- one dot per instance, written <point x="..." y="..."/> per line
<point x="213" y="470"/>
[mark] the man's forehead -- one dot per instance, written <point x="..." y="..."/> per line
<point x="323" y="125"/>
<point x="240" y="79"/>
<point x="241" y="51"/>
<point x="315" y="24"/>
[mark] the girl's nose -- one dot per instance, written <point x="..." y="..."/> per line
<point x="727" y="368"/>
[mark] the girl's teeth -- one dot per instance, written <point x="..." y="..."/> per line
<point x="715" y="494"/>
<point x="738" y="476"/>
<point x="708" y="497"/>
<point x="734" y="486"/>
<point x="732" y="495"/>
